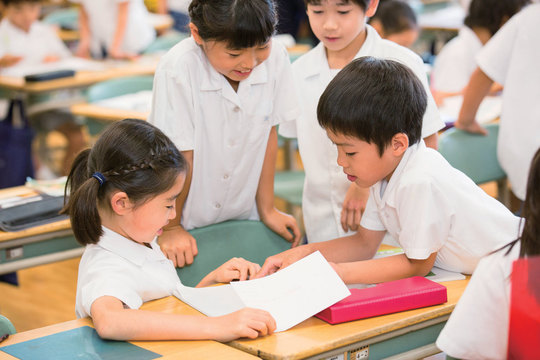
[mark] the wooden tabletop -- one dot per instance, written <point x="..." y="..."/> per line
<point x="105" y="113"/>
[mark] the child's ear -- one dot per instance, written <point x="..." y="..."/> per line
<point x="120" y="203"/>
<point x="195" y="33"/>
<point x="400" y="144"/>
<point x="372" y="8"/>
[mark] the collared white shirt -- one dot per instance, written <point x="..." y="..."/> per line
<point x="512" y="58"/>
<point x="120" y="267"/>
<point x="428" y="206"/>
<point x="36" y="44"/>
<point x="103" y="18"/>
<point x="456" y="62"/>
<point x="478" y="326"/>
<point x="228" y="131"/>
<point x="326" y="184"/>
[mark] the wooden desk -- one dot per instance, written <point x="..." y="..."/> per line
<point x="169" y="349"/>
<point x="38" y="245"/>
<point x="405" y="335"/>
<point x="104" y="113"/>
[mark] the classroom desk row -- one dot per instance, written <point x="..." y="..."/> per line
<point x="404" y="335"/>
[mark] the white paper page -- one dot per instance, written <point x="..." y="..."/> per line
<point x="295" y="293"/>
<point x="211" y="301"/>
<point x="440" y="275"/>
<point x="72" y="63"/>
<point x="139" y="101"/>
<point x="490" y="109"/>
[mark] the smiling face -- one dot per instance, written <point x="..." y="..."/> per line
<point x="144" y="222"/>
<point x="362" y="162"/>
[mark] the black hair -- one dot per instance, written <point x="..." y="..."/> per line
<point x="240" y="23"/>
<point x="17" y="2"/>
<point x="395" y="17"/>
<point x="372" y="100"/>
<point x="491" y="14"/>
<point x="132" y="156"/>
<point x="362" y="3"/>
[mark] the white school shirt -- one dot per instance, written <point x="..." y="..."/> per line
<point x="228" y="131"/>
<point x="103" y="18"/>
<point x="120" y="267"/>
<point x="40" y="41"/>
<point x="512" y="58"/>
<point x="478" y="326"/>
<point x="325" y="185"/>
<point x="456" y="62"/>
<point x="428" y="206"/>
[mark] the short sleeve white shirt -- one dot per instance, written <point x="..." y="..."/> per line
<point x="456" y="62"/>
<point x="103" y="18"/>
<point x="325" y="185"/>
<point x="228" y="131"/>
<point x="428" y="206"/>
<point x="478" y="326"/>
<point x="124" y="269"/>
<point x="511" y="58"/>
<point x="33" y="46"/>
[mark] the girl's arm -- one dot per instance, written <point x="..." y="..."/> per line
<point x="279" y="222"/>
<point x="83" y="49"/>
<point x="175" y="242"/>
<point x="384" y="269"/>
<point x="121" y="23"/>
<point x="113" y="321"/>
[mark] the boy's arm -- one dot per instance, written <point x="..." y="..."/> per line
<point x="83" y="49"/>
<point x="114" y="322"/>
<point x="121" y="23"/>
<point x="384" y="269"/>
<point x="478" y="87"/>
<point x="175" y="242"/>
<point x="279" y="222"/>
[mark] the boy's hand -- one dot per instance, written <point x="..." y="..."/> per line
<point x="9" y="60"/>
<point x="282" y="260"/>
<point x="353" y="207"/>
<point x="283" y="224"/>
<point x="235" y="269"/>
<point x="248" y="322"/>
<point x="178" y="245"/>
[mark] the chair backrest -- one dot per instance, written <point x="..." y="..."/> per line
<point x="120" y="86"/>
<point x="6" y="327"/>
<point x="474" y="155"/>
<point x="67" y="18"/>
<point x="218" y="243"/>
<point x="164" y="42"/>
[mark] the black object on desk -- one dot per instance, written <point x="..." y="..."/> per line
<point x="49" y="75"/>
<point x="30" y="214"/>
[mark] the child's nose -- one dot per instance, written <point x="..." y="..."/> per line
<point x="249" y="61"/>
<point x="330" y="23"/>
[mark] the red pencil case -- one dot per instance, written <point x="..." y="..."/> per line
<point x="385" y="298"/>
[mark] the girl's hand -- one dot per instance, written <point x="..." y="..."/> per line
<point x="353" y="207"/>
<point x="283" y="224"/>
<point x="234" y="269"/>
<point x="51" y="58"/>
<point x="9" y="60"/>
<point x="248" y="322"/>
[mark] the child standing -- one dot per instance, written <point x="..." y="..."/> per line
<point x="373" y="111"/>
<point x="395" y="20"/>
<point x="456" y="61"/>
<point x="219" y="95"/>
<point x="484" y="306"/>
<point x="332" y="207"/>
<point x="122" y="194"/>
<point x="119" y="29"/>
<point x="509" y="59"/>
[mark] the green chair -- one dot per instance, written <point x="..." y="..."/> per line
<point x="6" y="327"/>
<point x="218" y="243"/>
<point x="164" y="42"/>
<point x="66" y="18"/>
<point x="112" y="88"/>
<point x="475" y="155"/>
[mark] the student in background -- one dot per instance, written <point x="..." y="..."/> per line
<point x="373" y="112"/>
<point x="396" y="21"/>
<point x="485" y="305"/>
<point x="122" y="194"/>
<point x="219" y="95"/>
<point x="25" y="41"/>
<point x="332" y="207"/>
<point x="456" y="62"/>
<point x="510" y="59"/>
<point x="119" y="29"/>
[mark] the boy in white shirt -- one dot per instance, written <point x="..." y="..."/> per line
<point x="373" y="111"/>
<point x="331" y="206"/>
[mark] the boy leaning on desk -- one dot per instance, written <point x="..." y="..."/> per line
<point x="373" y="111"/>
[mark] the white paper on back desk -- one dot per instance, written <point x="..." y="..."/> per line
<point x="291" y="295"/>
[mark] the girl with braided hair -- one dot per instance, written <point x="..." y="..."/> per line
<point x="122" y="193"/>
<point x="219" y="95"/>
